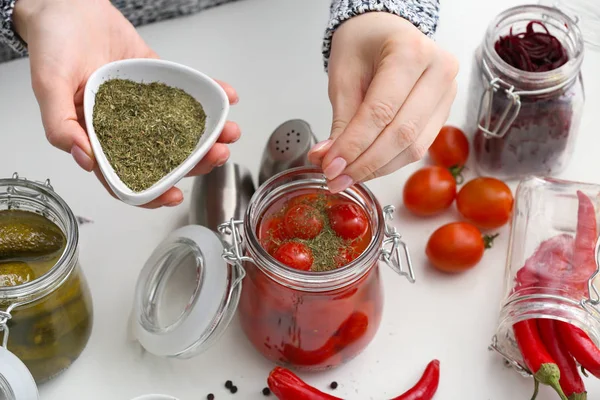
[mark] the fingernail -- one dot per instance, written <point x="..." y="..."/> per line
<point x="335" y="168"/>
<point x="175" y="203"/>
<point x="340" y="184"/>
<point x="320" y="146"/>
<point x="82" y="159"/>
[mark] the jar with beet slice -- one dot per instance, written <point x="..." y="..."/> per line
<point x="301" y="270"/>
<point x="526" y="93"/>
<point x="551" y="280"/>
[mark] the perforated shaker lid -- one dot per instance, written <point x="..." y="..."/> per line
<point x="186" y="294"/>
<point x="16" y="382"/>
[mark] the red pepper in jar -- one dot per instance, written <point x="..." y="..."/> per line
<point x="427" y="386"/>
<point x="584" y="257"/>
<point x="536" y="356"/>
<point x="581" y="347"/>
<point x="570" y="380"/>
<point x="350" y="331"/>
<point x="287" y="386"/>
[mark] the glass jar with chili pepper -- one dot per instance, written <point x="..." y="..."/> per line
<point x="526" y="93"/>
<point x="550" y="291"/>
<point x="302" y="270"/>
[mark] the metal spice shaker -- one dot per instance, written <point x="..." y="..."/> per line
<point x="287" y="147"/>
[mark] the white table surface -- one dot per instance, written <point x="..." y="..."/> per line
<point x="270" y="51"/>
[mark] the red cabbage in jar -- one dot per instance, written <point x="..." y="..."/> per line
<point x="528" y="91"/>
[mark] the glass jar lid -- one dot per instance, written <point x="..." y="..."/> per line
<point x="16" y="382"/>
<point x="186" y="294"/>
<point x="586" y="14"/>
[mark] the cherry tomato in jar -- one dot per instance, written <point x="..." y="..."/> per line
<point x="456" y="247"/>
<point x="348" y="220"/>
<point x="345" y="256"/>
<point x="429" y="191"/>
<point x="272" y="234"/>
<point x="450" y="149"/>
<point x="485" y="202"/>
<point x="295" y="255"/>
<point x="303" y="222"/>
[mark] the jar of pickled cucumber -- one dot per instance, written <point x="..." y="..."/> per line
<point x="45" y="302"/>
<point x="312" y="313"/>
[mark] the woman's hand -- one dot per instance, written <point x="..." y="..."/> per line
<point x="391" y="89"/>
<point x="68" y="40"/>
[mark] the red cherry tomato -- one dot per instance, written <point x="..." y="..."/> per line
<point x="307" y="198"/>
<point x="295" y="255"/>
<point x="456" y="247"/>
<point x="345" y="256"/>
<point x="348" y="220"/>
<point x="303" y="222"/>
<point x="450" y="148"/>
<point x="429" y="191"/>
<point x="272" y="234"/>
<point x="485" y="202"/>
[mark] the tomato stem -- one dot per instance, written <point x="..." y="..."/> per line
<point x="456" y="171"/>
<point x="488" y="240"/>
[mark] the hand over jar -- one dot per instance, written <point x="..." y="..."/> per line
<point x="391" y="88"/>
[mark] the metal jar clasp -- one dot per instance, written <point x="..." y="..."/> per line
<point x="4" y="318"/>
<point x="393" y="246"/>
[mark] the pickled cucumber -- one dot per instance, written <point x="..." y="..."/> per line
<point x="49" y="334"/>
<point x="27" y="234"/>
<point x="15" y="273"/>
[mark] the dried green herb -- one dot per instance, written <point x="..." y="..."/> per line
<point x="327" y="245"/>
<point x="146" y="129"/>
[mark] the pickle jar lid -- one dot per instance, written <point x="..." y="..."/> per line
<point x="186" y="294"/>
<point x="16" y="382"/>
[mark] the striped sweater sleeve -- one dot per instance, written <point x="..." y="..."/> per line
<point x="8" y="36"/>
<point x="424" y="14"/>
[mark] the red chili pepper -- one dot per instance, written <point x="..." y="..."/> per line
<point x="536" y="357"/>
<point x="570" y="380"/>
<point x="287" y="386"/>
<point x="350" y="330"/>
<point x="581" y="347"/>
<point x="427" y="386"/>
<point x="584" y="257"/>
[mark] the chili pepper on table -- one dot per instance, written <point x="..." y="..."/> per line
<point x="570" y="380"/>
<point x="287" y="386"/>
<point x="581" y="347"/>
<point x="536" y="357"/>
<point x="427" y="386"/>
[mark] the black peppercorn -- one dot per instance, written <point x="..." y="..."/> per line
<point x="228" y="384"/>
<point x="333" y="385"/>
<point x="266" y="391"/>
<point x="210" y="397"/>
<point x="233" y="389"/>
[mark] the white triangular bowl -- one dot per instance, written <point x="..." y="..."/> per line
<point x="203" y="88"/>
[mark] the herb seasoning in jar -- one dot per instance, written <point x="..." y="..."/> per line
<point x="526" y="93"/>
<point x="45" y="303"/>
<point x="313" y="317"/>
<point x="551" y="267"/>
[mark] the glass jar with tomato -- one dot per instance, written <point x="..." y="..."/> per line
<point x="550" y="291"/>
<point x="312" y="296"/>
<point x="301" y="269"/>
